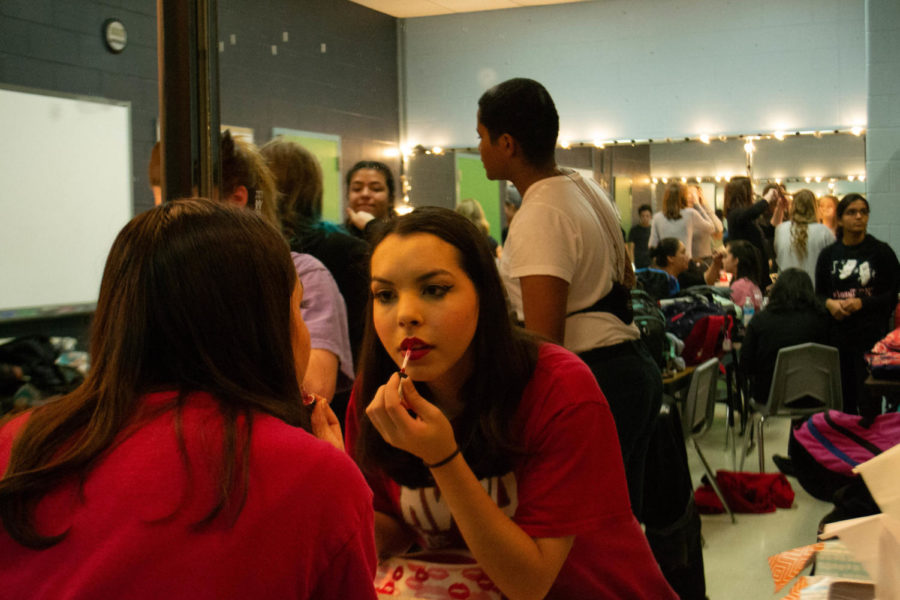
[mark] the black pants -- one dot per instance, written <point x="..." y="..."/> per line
<point x="632" y="384"/>
<point x="857" y="400"/>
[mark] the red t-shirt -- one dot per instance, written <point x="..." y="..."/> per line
<point x="571" y="482"/>
<point x="305" y="531"/>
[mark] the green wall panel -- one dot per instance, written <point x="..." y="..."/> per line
<point x="473" y="183"/>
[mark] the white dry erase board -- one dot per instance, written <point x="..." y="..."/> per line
<point x="65" y="192"/>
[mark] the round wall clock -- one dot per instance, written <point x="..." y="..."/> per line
<point x="114" y="35"/>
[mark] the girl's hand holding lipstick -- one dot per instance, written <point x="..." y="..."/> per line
<point x="428" y="434"/>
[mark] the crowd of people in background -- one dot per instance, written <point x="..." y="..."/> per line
<point x="496" y="401"/>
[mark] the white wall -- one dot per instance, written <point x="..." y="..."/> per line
<point x="883" y="138"/>
<point x="623" y="69"/>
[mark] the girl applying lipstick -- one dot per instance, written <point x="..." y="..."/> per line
<point x="514" y="433"/>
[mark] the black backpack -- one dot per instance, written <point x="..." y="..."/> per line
<point x="36" y="355"/>
<point x="652" y="323"/>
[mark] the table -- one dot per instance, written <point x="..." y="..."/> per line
<point x="677" y="382"/>
<point x="889" y="388"/>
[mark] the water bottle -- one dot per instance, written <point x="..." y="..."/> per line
<point x="747" y="310"/>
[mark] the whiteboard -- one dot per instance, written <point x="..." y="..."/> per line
<point x="65" y="192"/>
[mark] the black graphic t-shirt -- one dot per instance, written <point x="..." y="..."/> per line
<point x="868" y="271"/>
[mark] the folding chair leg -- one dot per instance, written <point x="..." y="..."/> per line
<point x="729" y="423"/>
<point x="730" y="433"/>
<point x="760" y="443"/>
<point x="712" y="480"/>
<point x="748" y="434"/>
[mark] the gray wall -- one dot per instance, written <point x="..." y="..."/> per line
<point x="621" y="69"/>
<point x="57" y="45"/>
<point x="350" y="90"/>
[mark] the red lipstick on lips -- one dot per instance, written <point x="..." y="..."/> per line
<point x="415" y="348"/>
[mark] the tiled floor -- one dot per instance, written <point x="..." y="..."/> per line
<point x="735" y="554"/>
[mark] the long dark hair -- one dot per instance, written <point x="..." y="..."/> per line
<point x="505" y="355"/>
<point x="674" y="199"/>
<point x="738" y="193"/>
<point x="749" y="263"/>
<point x="195" y="296"/>
<point x="793" y="292"/>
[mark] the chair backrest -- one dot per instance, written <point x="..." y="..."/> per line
<point x="700" y="402"/>
<point x="807" y="380"/>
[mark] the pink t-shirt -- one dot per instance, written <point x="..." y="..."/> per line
<point x="305" y="530"/>
<point x="571" y="482"/>
<point x="742" y="289"/>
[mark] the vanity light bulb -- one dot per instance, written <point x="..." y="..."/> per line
<point x="808" y="179"/>
<point x="818" y="180"/>
<point x="684" y="180"/>
<point x="665" y="180"/>
<point x="565" y="144"/>
<point x="749" y="147"/>
<point x="437" y="150"/>
<point x="862" y="177"/>
<point x="655" y="180"/>
<point x="779" y="135"/>
<point x="851" y="177"/>
<point x="856" y="130"/>
<point x="704" y="138"/>
<point x="718" y="178"/>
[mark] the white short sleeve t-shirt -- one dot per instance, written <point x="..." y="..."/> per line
<point x="558" y="232"/>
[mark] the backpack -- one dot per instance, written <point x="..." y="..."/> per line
<point x="702" y="323"/>
<point x="826" y="447"/>
<point x="658" y="284"/>
<point x="36" y="355"/>
<point x="652" y="323"/>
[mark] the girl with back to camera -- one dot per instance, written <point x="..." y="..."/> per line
<point x="743" y="216"/>
<point x="514" y="433"/>
<point x="182" y="467"/>
<point x="799" y="241"/>
<point x="858" y="277"/>
<point x="793" y="316"/>
<point x="677" y="220"/>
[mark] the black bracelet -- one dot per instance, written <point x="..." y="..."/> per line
<point x="441" y="463"/>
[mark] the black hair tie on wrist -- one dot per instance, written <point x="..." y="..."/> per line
<point x="441" y="463"/>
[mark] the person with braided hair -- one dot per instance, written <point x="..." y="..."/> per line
<point x="799" y="242"/>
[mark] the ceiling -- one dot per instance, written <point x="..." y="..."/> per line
<point x="405" y="9"/>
